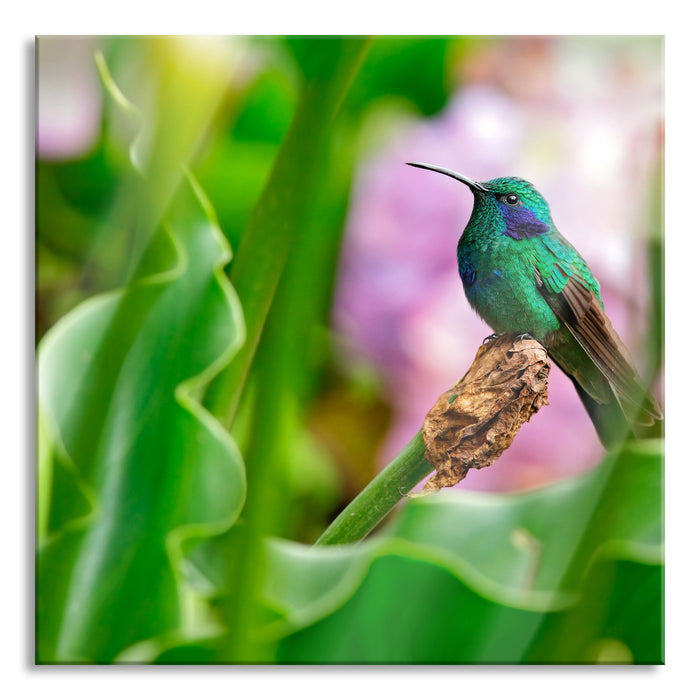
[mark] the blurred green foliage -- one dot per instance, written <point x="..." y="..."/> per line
<point x="465" y="562"/>
<point x="162" y="536"/>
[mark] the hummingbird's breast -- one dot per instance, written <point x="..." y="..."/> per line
<point x="500" y="286"/>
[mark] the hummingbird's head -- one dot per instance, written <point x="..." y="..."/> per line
<point x="506" y="205"/>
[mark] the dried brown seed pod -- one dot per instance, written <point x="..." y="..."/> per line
<point x="473" y="422"/>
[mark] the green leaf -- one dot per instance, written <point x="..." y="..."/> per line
<point x="275" y="224"/>
<point x="549" y="575"/>
<point x="118" y="380"/>
<point x="409" y="67"/>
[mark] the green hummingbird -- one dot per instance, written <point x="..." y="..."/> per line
<point x="523" y="277"/>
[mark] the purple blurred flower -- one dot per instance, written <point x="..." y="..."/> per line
<point x="579" y="119"/>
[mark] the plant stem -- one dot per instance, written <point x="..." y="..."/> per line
<point x="370" y="507"/>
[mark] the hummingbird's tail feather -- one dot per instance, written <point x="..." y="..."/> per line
<point x="609" y="420"/>
<point x="641" y="411"/>
<point x="615" y="415"/>
<point x="617" y="419"/>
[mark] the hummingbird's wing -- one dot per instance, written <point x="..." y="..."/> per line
<point x="569" y="288"/>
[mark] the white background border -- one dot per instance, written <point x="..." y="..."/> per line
<point x="22" y="21"/>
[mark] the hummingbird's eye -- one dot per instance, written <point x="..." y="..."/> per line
<point x="511" y="199"/>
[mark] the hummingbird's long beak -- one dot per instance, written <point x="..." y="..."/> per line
<point x="473" y="185"/>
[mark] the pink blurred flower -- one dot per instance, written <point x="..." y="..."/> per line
<point x="577" y="118"/>
<point x="69" y="104"/>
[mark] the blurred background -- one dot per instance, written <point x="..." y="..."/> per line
<point x="370" y="324"/>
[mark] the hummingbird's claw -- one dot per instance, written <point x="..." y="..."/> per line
<point x="489" y="338"/>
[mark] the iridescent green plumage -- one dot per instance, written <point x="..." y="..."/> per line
<point x="522" y="276"/>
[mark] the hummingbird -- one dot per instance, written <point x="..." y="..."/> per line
<point x="524" y="278"/>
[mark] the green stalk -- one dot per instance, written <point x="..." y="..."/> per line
<point x="370" y="507"/>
